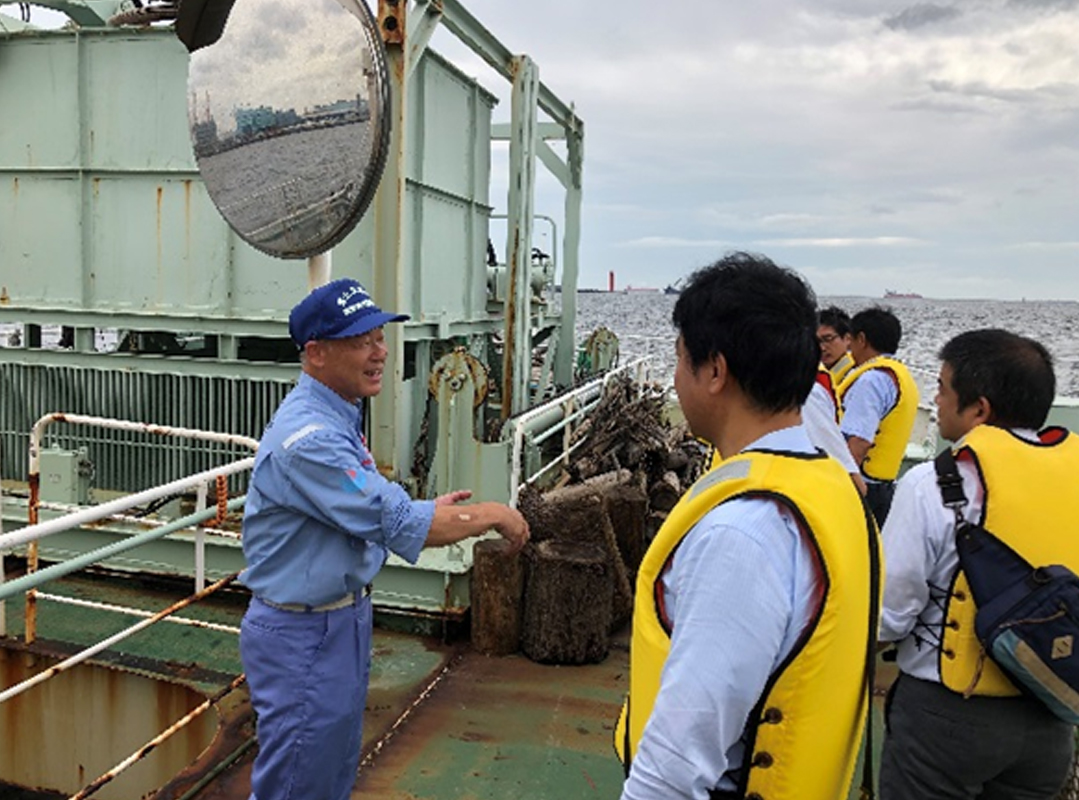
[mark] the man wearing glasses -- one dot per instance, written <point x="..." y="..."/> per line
<point x="833" y="333"/>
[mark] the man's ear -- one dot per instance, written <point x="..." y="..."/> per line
<point x="720" y="373"/>
<point x="982" y="410"/>
<point x="315" y="353"/>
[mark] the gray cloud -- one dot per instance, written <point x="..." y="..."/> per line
<point x="1051" y="5"/>
<point x="920" y="16"/>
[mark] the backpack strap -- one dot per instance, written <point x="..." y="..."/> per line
<point x="951" y="486"/>
<point x="989" y="564"/>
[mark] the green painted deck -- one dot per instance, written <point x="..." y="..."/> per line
<point x="442" y="720"/>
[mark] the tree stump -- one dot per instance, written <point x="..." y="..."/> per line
<point x="665" y="493"/>
<point x="579" y="514"/>
<point x="627" y="508"/>
<point x="567" y="607"/>
<point x="497" y="598"/>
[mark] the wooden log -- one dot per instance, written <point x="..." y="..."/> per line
<point x="579" y="514"/>
<point x="663" y="494"/>
<point x="567" y="606"/>
<point x="652" y="525"/>
<point x="497" y="598"/>
<point x="627" y="508"/>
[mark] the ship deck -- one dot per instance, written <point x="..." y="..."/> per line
<point x="442" y="721"/>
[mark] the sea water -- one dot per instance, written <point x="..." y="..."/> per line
<point x="642" y="322"/>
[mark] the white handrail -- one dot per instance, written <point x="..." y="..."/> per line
<point x="32" y="533"/>
<point x="521" y="423"/>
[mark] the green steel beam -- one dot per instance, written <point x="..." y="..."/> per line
<point x="487" y="46"/>
<point x="151" y="364"/>
<point x="571" y="245"/>
<point x="87" y="13"/>
<point x="388" y="408"/>
<point x="500" y="131"/>
<point x="104" y="172"/>
<point x="517" y="353"/>
<point x="80" y="318"/>
<point x="420" y="31"/>
<point x="553" y="162"/>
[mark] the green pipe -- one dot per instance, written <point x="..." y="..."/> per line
<point x="36" y="579"/>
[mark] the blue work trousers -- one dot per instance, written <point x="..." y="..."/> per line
<point x="307" y="675"/>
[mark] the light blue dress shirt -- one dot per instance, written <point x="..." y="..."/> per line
<point x="740" y="590"/>
<point x="866" y="403"/>
<point x="320" y="519"/>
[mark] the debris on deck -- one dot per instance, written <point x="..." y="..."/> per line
<point x="589" y="533"/>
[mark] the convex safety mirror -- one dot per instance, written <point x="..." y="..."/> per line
<point x="289" y="117"/>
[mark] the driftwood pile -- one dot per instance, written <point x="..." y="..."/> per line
<point x="572" y="586"/>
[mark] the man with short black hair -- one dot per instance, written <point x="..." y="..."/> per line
<point x="319" y="523"/>
<point x="958" y="728"/>
<point x="753" y="615"/>
<point x="879" y="400"/>
<point x="833" y="333"/>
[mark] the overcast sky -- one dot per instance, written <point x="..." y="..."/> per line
<point x="870" y="144"/>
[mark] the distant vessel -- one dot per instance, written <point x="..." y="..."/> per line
<point x="674" y="288"/>
<point x="889" y="294"/>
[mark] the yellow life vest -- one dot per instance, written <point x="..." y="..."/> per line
<point x="885" y="455"/>
<point x="1031" y="504"/>
<point x="841" y="367"/>
<point x="802" y="737"/>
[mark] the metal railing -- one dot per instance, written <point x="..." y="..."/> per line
<point x="32" y="533"/>
<point x="539" y="424"/>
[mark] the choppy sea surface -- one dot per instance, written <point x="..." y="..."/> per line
<point x="642" y="321"/>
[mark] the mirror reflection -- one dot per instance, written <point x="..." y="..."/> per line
<point x="288" y="117"/>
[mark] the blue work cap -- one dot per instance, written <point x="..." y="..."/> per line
<point x="340" y="309"/>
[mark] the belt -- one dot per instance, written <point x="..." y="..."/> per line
<point x="302" y="608"/>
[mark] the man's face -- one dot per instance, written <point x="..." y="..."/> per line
<point x="832" y="345"/>
<point x="689" y="385"/>
<point x="953" y="422"/>
<point x="860" y="350"/>
<point x="353" y="367"/>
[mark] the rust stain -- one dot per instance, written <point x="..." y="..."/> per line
<point x="160" y="196"/>
<point x="391" y="21"/>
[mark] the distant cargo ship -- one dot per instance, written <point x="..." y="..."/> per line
<point x="892" y="295"/>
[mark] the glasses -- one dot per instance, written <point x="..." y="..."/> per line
<point x="828" y="338"/>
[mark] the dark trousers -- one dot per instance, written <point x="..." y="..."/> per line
<point x="879" y="498"/>
<point x="942" y="747"/>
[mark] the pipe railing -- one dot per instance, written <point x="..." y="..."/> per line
<point x="539" y="423"/>
<point x="37" y="433"/>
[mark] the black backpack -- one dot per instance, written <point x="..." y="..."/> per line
<point x="1027" y="617"/>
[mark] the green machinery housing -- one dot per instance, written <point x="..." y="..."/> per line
<point x="106" y="226"/>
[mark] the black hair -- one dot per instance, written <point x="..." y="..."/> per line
<point x="881" y="327"/>
<point x="762" y="318"/>
<point x="1013" y="373"/>
<point x="835" y="318"/>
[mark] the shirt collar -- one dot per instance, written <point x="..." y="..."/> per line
<point x="793" y="439"/>
<point x="350" y="412"/>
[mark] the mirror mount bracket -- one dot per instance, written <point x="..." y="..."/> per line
<point x="391" y="21"/>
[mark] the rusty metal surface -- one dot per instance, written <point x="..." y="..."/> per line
<point x="495" y="728"/>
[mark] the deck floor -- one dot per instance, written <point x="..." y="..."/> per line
<point x="442" y="721"/>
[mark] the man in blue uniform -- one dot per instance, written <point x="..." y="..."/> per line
<point x="320" y="521"/>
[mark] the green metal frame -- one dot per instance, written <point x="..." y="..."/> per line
<point x="104" y="223"/>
